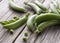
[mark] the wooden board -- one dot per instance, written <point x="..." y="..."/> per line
<point x="49" y="35"/>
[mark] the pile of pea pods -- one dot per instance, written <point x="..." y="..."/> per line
<point x="42" y="18"/>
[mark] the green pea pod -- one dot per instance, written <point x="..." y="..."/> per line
<point x="17" y="23"/>
<point x="34" y="7"/>
<point x="42" y="25"/>
<point x="16" y="7"/>
<point x="54" y="9"/>
<point x="46" y="17"/>
<point x="45" y="24"/>
<point x="30" y="22"/>
<point x="40" y="5"/>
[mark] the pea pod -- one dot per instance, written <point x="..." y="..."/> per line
<point x="16" y="7"/>
<point x="53" y="9"/>
<point x="30" y="23"/>
<point x="40" y="5"/>
<point x="17" y="23"/>
<point x="34" y="7"/>
<point x="46" y="17"/>
<point x="45" y="24"/>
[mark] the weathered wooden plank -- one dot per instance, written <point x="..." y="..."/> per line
<point x="3" y="6"/>
<point x="47" y="3"/>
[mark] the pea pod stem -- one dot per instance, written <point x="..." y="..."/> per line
<point x="16" y="7"/>
<point x="17" y="23"/>
<point x="45" y="24"/>
<point x="46" y="17"/>
<point x="34" y="7"/>
<point x="30" y="23"/>
<point x="40" y="5"/>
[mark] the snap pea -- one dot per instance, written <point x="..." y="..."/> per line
<point x="34" y="7"/>
<point x="53" y="9"/>
<point x="30" y="23"/>
<point x="17" y="23"/>
<point x="16" y="7"/>
<point x="45" y="24"/>
<point x="46" y="17"/>
<point x="40" y="5"/>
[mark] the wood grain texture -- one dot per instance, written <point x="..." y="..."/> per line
<point x="0" y="0"/>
